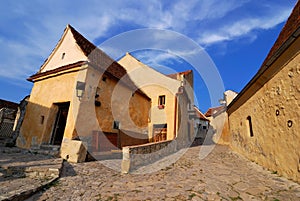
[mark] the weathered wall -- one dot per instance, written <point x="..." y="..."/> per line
<point x="274" y="112"/>
<point x="154" y="84"/>
<point x="117" y="103"/>
<point x="122" y="104"/>
<point x="44" y="93"/>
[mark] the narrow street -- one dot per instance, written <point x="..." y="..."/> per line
<point x="222" y="175"/>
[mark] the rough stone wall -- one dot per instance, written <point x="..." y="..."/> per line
<point x="274" y="112"/>
<point x="136" y="156"/>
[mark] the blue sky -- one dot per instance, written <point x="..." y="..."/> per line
<point x="236" y="34"/>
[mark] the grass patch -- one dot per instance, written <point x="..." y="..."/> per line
<point x="191" y="196"/>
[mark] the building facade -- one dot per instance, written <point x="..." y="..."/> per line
<point x="80" y="93"/>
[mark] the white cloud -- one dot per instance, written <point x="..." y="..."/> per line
<point x="243" y="27"/>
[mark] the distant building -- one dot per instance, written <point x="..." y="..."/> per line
<point x="213" y="110"/>
<point x="201" y="125"/>
<point x="264" y="119"/>
<point x="8" y="112"/>
<point x="218" y="117"/>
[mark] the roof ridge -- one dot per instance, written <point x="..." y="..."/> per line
<point x="129" y="54"/>
<point x="86" y="46"/>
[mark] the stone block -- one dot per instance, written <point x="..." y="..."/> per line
<point x="73" y="151"/>
<point x="125" y="166"/>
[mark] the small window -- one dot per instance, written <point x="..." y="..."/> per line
<point x="204" y="127"/>
<point x="116" y="125"/>
<point x="162" y="100"/>
<point x="42" y="119"/>
<point x="63" y="55"/>
<point x="250" y="126"/>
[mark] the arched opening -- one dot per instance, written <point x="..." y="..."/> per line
<point x="250" y="126"/>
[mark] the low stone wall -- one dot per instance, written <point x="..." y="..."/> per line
<point x="136" y="156"/>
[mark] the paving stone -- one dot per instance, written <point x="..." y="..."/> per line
<point x="241" y="186"/>
<point x="222" y="175"/>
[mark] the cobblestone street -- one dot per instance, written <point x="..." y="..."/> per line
<point x="222" y="175"/>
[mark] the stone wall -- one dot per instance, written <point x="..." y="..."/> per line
<point x="135" y="156"/>
<point x="266" y="127"/>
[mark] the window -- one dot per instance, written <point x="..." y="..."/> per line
<point x="162" y="100"/>
<point x="63" y="55"/>
<point x="250" y="126"/>
<point x="116" y="125"/>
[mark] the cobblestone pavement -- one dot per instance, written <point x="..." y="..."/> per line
<point x="223" y="175"/>
<point x="22" y="172"/>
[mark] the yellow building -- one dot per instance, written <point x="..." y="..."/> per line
<point x="80" y="93"/>
<point x="264" y="118"/>
<point x="165" y="92"/>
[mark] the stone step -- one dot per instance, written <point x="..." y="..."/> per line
<point x="43" y="169"/>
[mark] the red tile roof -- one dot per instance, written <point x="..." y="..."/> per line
<point x="213" y="110"/>
<point x="174" y="75"/>
<point x="97" y="56"/>
<point x="200" y="115"/>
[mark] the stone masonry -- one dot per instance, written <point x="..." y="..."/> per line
<point x="222" y="175"/>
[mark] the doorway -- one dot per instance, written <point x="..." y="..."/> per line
<point x="60" y="123"/>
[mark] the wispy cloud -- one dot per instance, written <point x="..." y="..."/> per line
<point x="29" y="33"/>
<point x="243" y="27"/>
